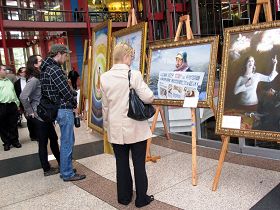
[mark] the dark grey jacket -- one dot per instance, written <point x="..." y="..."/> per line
<point x="31" y="95"/>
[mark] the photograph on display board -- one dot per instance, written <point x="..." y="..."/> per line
<point x="100" y="63"/>
<point x="135" y="36"/>
<point x="84" y="82"/>
<point x="183" y="69"/>
<point x="249" y="98"/>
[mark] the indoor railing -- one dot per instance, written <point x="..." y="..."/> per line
<point x="45" y="15"/>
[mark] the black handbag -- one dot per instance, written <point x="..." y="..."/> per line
<point x="47" y="110"/>
<point x="137" y="109"/>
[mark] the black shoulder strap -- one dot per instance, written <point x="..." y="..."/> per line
<point x="129" y="75"/>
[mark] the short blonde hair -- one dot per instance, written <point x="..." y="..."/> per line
<point x="121" y="50"/>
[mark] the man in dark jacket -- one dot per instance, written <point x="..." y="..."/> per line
<point x="55" y="87"/>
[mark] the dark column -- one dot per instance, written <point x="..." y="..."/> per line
<point x="4" y="44"/>
<point x="43" y="43"/>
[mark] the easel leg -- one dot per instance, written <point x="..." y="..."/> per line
<point x="221" y="161"/>
<point x="164" y="123"/>
<point x="149" y="141"/>
<point x="194" y="165"/>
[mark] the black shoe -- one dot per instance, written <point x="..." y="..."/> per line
<point x="6" y="147"/>
<point x="124" y="202"/>
<point x="17" y="145"/>
<point x="74" y="170"/>
<point x="52" y="171"/>
<point x="149" y="199"/>
<point x="76" y="177"/>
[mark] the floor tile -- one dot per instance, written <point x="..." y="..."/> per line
<point x="68" y="198"/>
<point x="101" y="164"/>
<point x="28" y="185"/>
<point x="239" y="188"/>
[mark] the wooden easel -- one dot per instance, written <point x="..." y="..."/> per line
<point x="225" y="139"/>
<point x="132" y="20"/>
<point x="149" y="157"/>
<point x="186" y="19"/>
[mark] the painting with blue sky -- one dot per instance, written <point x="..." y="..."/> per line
<point x="134" y="40"/>
<point x="196" y="57"/>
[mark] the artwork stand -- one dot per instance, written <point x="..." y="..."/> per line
<point x="132" y="20"/>
<point x="83" y="100"/>
<point x="225" y="139"/>
<point x="186" y="19"/>
<point x="149" y="157"/>
<point x="90" y="53"/>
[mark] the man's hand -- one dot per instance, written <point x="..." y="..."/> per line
<point x="76" y="111"/>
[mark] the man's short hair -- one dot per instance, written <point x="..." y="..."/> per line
<point x="58" y="48"/>
<point x="120" y="50"/>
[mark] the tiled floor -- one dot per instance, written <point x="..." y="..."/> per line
<point x="241" y="186"/>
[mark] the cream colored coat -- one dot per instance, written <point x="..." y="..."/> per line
<point x="115" y="93"/>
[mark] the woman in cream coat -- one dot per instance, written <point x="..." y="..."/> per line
<point x="124" y="133"/>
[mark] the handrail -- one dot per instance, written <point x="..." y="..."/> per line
<point x="46" y="15"/>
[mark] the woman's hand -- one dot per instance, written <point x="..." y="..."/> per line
<point x="274" y="60"/>
<point x="248" y="82"/>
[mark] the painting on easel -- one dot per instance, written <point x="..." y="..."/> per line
<point x="136" y="37"/>
<point x="101" y="41"/>
<point x="249" y="98"/>
<point x="184" y="59"/>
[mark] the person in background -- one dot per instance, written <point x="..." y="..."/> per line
<point x="56" y="89"/>
<point x="19" y="86"/>
<point x="73" y="76"/>
<point x="30" y="98"/>
<point x="9" y="105"/>
<point x="76" y="15"/>
<point x="129" y="134"/>
<point x="81" y="15"/>
<point x="10" y="74"/>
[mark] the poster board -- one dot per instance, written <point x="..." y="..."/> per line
<point x="101" y="36"/>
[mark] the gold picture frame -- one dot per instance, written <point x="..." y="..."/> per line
<point x="249" y="82"/>
<point x="100" y="64"/>
<point x="159" y="53"/>
<point x="84" y="83"/>
<point x="133" y="35"/>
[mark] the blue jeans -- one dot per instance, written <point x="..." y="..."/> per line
<point x="65" y="119"/>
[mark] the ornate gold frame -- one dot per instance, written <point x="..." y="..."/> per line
<point x="94" y="30"/>
<point x="211" y="70"/>
<point x="85" y="59"/>
<point x="255" y="134"/>
<point x="139" y="27"/>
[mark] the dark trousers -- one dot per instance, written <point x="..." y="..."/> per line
<point x="45" y="131"/>
<point x="124" y="179"/>
<point x="8" y="123"/>
<point x="31" y="129"/>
